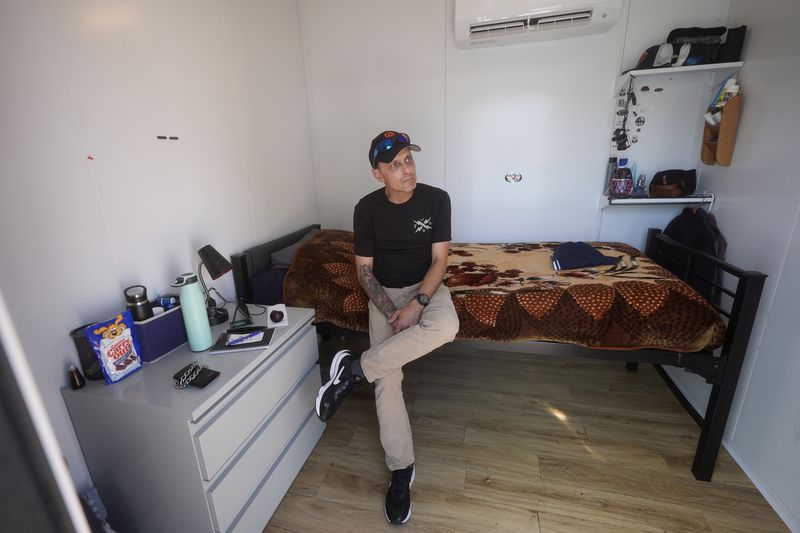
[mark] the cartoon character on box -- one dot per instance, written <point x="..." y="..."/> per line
<point x="115" y="346"/>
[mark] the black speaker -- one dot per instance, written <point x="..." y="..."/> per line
<point x="241" y="277"/>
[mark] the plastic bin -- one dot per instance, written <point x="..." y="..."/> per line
<point x="160" y="334"/>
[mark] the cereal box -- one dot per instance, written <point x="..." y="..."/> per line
<point x="115" y="346"/>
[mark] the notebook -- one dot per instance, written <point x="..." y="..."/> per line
<point x="254" y="339"/>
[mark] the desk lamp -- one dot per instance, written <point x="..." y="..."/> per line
<point x="216" y="265"/>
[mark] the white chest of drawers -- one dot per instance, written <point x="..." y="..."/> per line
<point x="214" y="459"/>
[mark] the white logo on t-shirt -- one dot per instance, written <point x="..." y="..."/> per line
<point x="422" y="225"/>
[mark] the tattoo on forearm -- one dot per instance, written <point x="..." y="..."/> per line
<point x="375" y="291"/>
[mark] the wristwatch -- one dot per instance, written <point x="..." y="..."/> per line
<point x="423" y="299"/>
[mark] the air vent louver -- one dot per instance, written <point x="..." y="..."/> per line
<point x="526" y="24"/>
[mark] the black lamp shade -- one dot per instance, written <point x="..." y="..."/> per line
<point x="215" y="262"/>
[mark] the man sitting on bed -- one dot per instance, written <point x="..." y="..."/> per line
<point x="402" y="238"/>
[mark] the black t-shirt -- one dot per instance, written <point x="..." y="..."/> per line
<point x="399" y="236"/>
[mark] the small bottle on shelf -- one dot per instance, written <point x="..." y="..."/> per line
<point x="639" y="187"/>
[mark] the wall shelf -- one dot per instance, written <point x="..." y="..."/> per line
<point x="707" y="198"/>
<point x="658" y="124"/>
<point x="719" y="140"/>
<point x="721" y="68"/>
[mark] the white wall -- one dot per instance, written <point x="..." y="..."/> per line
<point x="542" y="110"/>
<point x="103" y="79"/>
<point x="477" y="114"/>
<point x="371" y="66"/>
<point x="757" y="208"/>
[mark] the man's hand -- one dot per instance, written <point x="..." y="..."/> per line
<point x="406" y="316"/>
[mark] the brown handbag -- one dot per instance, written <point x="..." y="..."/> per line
<point x="673" y="183"/>
<point x="665" y="191"/>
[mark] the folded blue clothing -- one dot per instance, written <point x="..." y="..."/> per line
<point x="569" y="255"/>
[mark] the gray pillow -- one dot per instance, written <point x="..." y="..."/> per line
<point x="283" y="258"/>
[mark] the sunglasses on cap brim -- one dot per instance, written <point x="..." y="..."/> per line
<point x="386" y="144"/>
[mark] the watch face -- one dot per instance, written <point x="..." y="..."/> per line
<point x="424" y="299"/>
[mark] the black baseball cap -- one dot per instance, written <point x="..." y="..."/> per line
<point x="656" y="56"/>
<point x="386" y="145"/>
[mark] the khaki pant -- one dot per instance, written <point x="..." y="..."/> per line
<point x="384" y="361"/>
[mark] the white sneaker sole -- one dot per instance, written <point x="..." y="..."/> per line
<point x="410" y="504"/>
<point x="335" y="373"/>
<point x="337" y="359"/>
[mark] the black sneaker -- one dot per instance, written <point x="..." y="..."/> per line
<point x="342" y="382"/>
<point x="398" y="498"/>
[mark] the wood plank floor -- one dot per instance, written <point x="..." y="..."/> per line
<point x="513" y="442"/>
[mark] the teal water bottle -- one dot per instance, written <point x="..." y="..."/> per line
<point x="193" y="307"/>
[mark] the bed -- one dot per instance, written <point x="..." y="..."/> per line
<point x="641" y="310"/>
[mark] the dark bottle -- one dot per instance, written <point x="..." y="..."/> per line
<point x="76" y="380"/>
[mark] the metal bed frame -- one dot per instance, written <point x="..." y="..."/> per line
<point x="721" y="371"/>
<point x="737" y="306"/>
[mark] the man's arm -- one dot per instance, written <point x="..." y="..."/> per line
<point x="372" y="287"/>
<point x="433" y="278"/>
<point x="410" y="314"/>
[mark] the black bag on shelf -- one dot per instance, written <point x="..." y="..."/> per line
<point x="696" y="35"/>
<point x="696" y="46"/>
<point x="731" y="50"/>
<point x="682" y="181"/>
<point x="697" y="54"/>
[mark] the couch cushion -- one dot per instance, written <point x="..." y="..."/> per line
<point x="283" y="258"/>
<point x="268" y="286"/>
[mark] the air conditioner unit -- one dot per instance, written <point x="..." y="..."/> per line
<point x="501" y="22"/>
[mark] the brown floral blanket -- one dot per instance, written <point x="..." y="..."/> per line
<point x="510" y="292"/>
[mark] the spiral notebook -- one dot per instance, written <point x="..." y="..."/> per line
<point x="254" y="339"/>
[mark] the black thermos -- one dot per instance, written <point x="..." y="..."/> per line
<point x="138" y="304"/>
